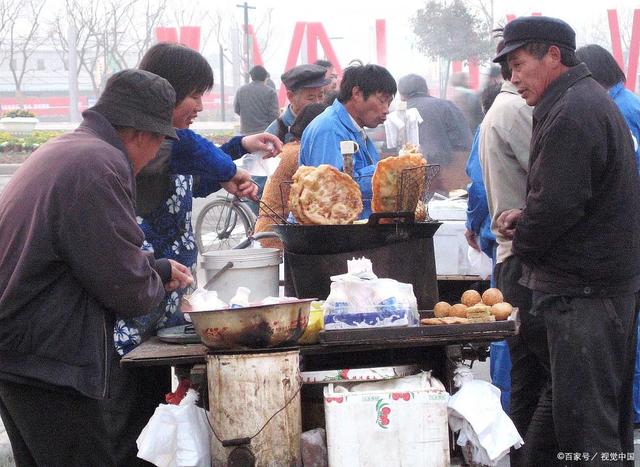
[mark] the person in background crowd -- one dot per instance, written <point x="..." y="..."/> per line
<point x="606" y="71"/>
<point x="331" y="75"/>
<point x="276" y="191"/>
<point x="330" y="96"/>
<point x="72" y="260"/>
<point x="187" y="168"/>
<point x="505" y="139"/>
<point x="579" y="239"/>
<point x="304" y="85"/>
<point x="466" y="100"/>
<point x="478" y="226"/>
<point x="366" y="91"/>
<point x="444" y="135"/>
<point x="269" y="82"/>
<point x="256" y="103"/>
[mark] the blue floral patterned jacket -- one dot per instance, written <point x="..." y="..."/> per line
<point x="196" y="167"/>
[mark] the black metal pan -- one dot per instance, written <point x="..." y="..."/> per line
<point x="331" y="239"/>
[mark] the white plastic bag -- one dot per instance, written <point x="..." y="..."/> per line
<point x="486" y="431"/>
<point x="480" y="263"/>
<point x="177" y="435"/>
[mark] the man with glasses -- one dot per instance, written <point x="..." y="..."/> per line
<point x="365" y="94"/>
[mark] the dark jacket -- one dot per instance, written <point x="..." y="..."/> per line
<point x="443" y="129"/>
<point x="70" y="260"/>
<point x="579" y="233"/>
<point x="257" y="105"/>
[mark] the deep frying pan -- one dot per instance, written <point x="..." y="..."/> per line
<point x="331" y="239"/>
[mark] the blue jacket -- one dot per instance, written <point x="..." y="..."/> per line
<point x="321" y="145"/>
<point x="478" y="218"/>
<point x="629" y="105"/>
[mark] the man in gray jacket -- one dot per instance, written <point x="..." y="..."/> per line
<point x="256" y="103"/>
<point x="71" y="260"/>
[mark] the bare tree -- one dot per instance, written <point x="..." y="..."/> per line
<point x="87" y="20"/>
<point x="26" y="18"/>
<point x="8" y="13"/>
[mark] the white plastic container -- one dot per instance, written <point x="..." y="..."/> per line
<point x="450" y="247"/>
<point x="256" y="268"/>
<point x="384" y="428"/>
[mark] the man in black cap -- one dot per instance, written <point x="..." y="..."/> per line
<point x="72" y="258"/>
<point x="578" y="236"/>
<point x="304" y="85"/>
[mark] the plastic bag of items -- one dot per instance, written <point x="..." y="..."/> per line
<point x="177" y="435"/>
<point x="359" y="299"/>
<point x="486" y="433"/>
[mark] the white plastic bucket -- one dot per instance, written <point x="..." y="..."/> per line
<point x="255" y="268"/>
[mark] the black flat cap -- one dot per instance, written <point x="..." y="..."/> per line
<point x="528" y="29"/>
<point x="139" y="99"/>
<point x="305" y="76"/>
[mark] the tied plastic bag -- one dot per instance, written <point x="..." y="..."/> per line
<point x="480" y="263"/>
<point x="177" y="435"/>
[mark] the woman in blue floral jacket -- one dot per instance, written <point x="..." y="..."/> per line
<point x="191" y="166"/>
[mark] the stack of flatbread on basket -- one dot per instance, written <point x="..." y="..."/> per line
<point x="324" y="195"/>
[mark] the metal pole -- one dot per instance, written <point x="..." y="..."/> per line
<point x="222" y="99"/>
<point x="74" y="115"/>
<point x="246" y="8"/>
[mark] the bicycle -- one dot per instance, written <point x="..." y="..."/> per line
<point x="223" y="224"/>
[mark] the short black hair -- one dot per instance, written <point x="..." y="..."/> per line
<point x="325" y="63"/>
<point x="308" y="113"/>
<point x="258" y="73"/>
<point x="186" y="69"/>
<point x="604" y="68"/>
<point x="489" y="94"/>
<point x="369" y="78"/>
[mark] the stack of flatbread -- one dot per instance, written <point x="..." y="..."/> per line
<point x="398" y="183"/>
<point x="324" y="195"/>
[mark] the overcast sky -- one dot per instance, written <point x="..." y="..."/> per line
<point x="354" y="21"/>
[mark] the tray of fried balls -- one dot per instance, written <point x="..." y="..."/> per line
<point x="473" y="308"/>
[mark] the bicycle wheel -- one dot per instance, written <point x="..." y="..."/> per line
<point x="221" y="225"/>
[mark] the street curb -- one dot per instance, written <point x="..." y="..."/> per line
<point x="8" y="169"/>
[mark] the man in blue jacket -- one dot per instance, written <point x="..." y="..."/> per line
<point x="366" y="91"/>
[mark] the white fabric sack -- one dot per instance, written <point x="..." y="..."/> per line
<point x="177" y="435"/>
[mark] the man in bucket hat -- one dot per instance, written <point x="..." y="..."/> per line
<point x="72" y="257"/>
<point x="578" y="236"/>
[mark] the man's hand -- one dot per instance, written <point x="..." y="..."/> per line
<point x="507" y="221"/>
<point x="472" y="239"/>
<point x="180" y="277"/>
<point x="266" y="142"/>
<point x="241" y="185"/>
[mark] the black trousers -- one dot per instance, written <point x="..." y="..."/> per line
<point x="51" y="428"/>
<point x="587" y="407"/>
<point x="527" y="350"/>
<point x="134" y="394"/>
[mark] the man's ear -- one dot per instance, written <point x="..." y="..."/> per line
<point x="290" y="95"/>
<point x="554" y="54"/>
<point x="356" y="93"/>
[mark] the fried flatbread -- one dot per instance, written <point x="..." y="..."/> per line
<point x="444" y="320"/>
<point x="391" y="192"/>
<point x="324" y="195"/>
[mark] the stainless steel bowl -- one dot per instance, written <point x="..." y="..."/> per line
<point x="252" y="327"/>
